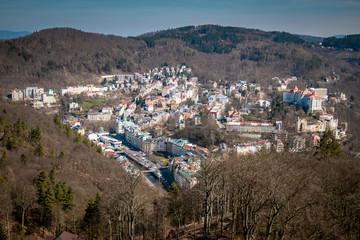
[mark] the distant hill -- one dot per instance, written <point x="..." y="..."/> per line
<point x="54" y="58"/>
<point x="217" y="39"/>
<point x="11" y="35"/>
<point x="310" y="39"/>
<point x="347" y="42"/>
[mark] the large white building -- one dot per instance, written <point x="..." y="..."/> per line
<point x="304" y="98"/>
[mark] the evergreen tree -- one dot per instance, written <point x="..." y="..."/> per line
<point x="62" y="154"/>
<point x="39" y="151"/>
<point x="23" y="158"/>
<point x="52" y="154"/>
<point x="3" y="157"/>
<point x="68" y="130"/>
<point x="175" y="207"/>
<point x="57" y="120"/>
<point x="52" y="176"/>
<point x="91" y="218"/>
<point x="60" y="192"/>
<point x="329" y="147"/>
<point x="41" y="184"/>
<point x="20" y="127"/>
<point x="68" y="202"/>
<point x="36" y="135"/>
<point x="78" y="138"/>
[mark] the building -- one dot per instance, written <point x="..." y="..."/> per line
<point x="98" y="116"/>
<point x="305" y="98"/>
<point x="48" y="99"/>
<point x="251" y="127"/>
<point x="253" y="147"/>
<point x="185" y="178"/>
<point x="279" y="146"/>
<point x="298" y="144"/>
<point x="218" y="98"/>
<point x="159" y="144"/>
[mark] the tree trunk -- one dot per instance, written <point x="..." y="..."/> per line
<point x="23" y="218"/>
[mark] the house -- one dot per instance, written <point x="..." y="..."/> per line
<point x="279" y="146"/>
<point x="80" y="130"/>
<point x="149" y="108"/>
<point x="218" y="98"/>
<point x="73" y="106"/>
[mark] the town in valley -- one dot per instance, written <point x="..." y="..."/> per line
<point x="142" y="120"/>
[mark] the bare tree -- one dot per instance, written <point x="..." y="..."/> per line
<point x="24" y="196"/>
<point x="209" y="177"/>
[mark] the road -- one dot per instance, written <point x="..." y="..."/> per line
<point x="155" y="172"/>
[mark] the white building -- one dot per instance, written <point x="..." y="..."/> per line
<point x="304" y="98"/>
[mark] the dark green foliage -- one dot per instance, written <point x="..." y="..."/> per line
<point x="99" y="149"/>
<point x="87" y="142"/>
<point x="107" y="67"/>
<point x="39" y="151"/>
<point x="50" y="193"/>
<point x="62" y="154"/>
<point x="78" y="138"/>
<point x="52" y="176"/>
<point x="64" y="196"/>
<point x="349" y="41"/>
<point x="20" y="127"/>
<point x="175" y="207"/>
<point x="206" y="38"/>
<point x="92" y="216"/>
<point x="304" y="65"/>
<point x="284" y="37"/>
<point x="68" y="202"/>
<point x="57" y="120"/>
<point x="329" y="147"/>
<point x="23" y="158"/>
<point x="68" y="130"/>
<point x="43" y="190"/>
<point x="36" y="135"/>
<point x="4" y="155"/>
<point x="52" y="154"/>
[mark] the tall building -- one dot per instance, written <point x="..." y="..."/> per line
<point x="305" y="98"/>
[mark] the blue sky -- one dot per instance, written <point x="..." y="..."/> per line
<point x="133" y="17"/>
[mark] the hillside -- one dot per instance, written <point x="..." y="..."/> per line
<point x="350" y="42"/>
<point x="57" y="57"/>
<point x="30" y="142"/>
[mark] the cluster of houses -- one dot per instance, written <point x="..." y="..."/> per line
<point x="324" y="122"/>
<point x="35" y="96"/>
<point x="146" y="143"/>
<point x="282" y="83"/>
<point x="172" y="93"/>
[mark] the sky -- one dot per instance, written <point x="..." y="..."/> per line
<point x="322" y="18"/>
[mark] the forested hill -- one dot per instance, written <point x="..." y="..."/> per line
<point x="347" y="42"/>
<point x="54" y="58"/>
<point x="218" y="39"/>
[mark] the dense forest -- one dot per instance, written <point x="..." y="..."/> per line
<point x="347" y="42"/>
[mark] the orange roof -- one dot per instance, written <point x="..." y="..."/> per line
<point x="187" y="147"/>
